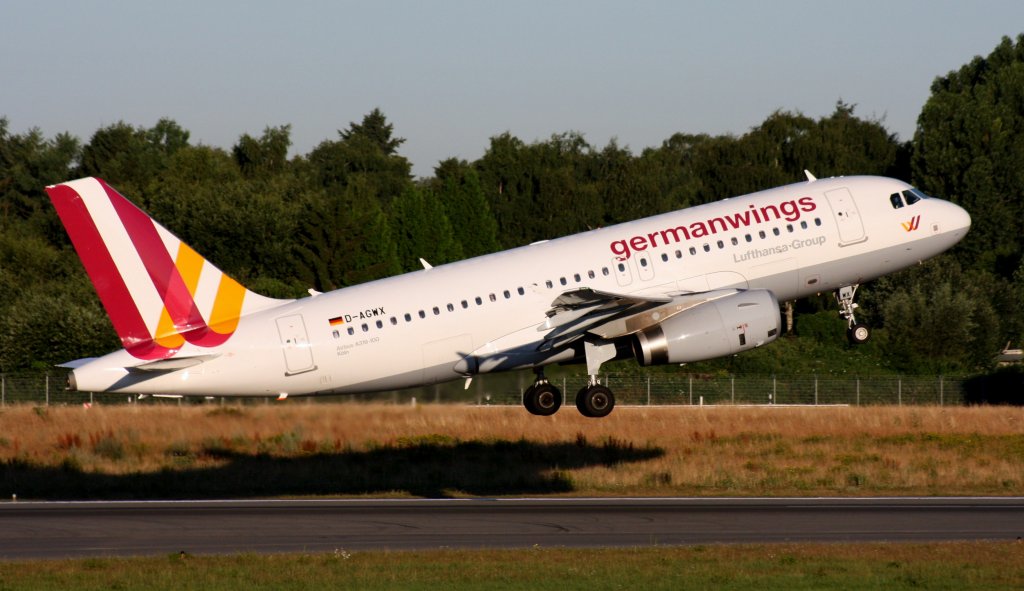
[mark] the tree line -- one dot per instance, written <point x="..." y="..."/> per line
<point x="350" y="211"/>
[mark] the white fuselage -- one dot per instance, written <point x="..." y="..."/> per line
<point x="421" y="327"/>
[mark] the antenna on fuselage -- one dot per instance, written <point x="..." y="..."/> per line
<point x="810" y="177"/>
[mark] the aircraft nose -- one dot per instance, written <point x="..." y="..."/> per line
<point x="959" y="217"/>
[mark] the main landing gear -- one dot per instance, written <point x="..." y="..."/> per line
<point x="857" y="333"/>
<point x="593" y="400"/>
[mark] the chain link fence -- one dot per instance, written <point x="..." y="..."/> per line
<point x="642" y="389"/>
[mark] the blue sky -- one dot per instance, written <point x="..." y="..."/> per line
<point x="449" y="75"/>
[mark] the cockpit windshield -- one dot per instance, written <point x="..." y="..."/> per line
<point x="908" y="197"/>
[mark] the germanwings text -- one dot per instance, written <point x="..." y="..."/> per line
<point x="787" y="210"/>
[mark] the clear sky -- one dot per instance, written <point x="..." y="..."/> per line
<point x="451" y="74"/>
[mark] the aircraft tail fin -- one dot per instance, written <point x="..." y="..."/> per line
<point x="158" y="292"/>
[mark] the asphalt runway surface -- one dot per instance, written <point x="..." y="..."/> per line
<point x="73" y="529"/>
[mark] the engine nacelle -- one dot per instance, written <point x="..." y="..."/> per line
<point x="715" y="328"/>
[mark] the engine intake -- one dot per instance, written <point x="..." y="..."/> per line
<point x="719" y="327"/>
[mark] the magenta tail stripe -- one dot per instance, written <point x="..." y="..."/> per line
<point x="100" y="266"/>
<point x="158" y="262"/>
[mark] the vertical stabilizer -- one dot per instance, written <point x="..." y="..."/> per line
<point x="158" y="292"/>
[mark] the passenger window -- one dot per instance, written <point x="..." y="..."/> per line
<point x="590" y="274"/>
<point x="803" y="224"/>
<point x="547" y="283"/>
<point x="562" y="280"/>
<point x="789" y="228"/>
<point x="664" y="257"/>
<point x="493" y="297"/>
<point x="604" y="271"/>
<point x="335" y="334"/>
<point x="721" y="244"/>
<point x="451" y="308"/>
<point x="679" y="254"/>
<point x="465" y="304"/>
<point x="380" y="324"/>
<point x="735" y="241"/>
<point x="622" y="267"/>
<point x="366" y="328"/>
<point x="423" y="314"/>
<point x="776" y="231"/>
<point x="577" y="277"/>
<point x="643" y="261"/>
<point x="479" y="301"/>
<point x="394" y="321"/>
<point x="408" y="317"/>
<point x="351" y="331"/>
<point x="520" y="291"/>
<point x="707" y="248"/>
<point x="749" y="238"/>
<point x="761" y="234"/>
<point x="506" y="294"/>
<point x="693" y="250"/>
<point x="817" y="221"/>
<point x="896" y="201"/>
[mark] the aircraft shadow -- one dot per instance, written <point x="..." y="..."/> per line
<point x="423" y="469"/>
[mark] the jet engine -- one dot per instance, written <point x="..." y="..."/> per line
<point x="717" y="327"/>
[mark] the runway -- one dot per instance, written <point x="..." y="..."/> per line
<point x="53" y="530"/>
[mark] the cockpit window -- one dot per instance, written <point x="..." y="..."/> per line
<point x="896" y="200"/>
<point x="913" y="196"/>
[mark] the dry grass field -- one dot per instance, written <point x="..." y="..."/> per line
<point x="299" y="449"/>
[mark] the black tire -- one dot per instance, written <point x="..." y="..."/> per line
<point x="595" y="401"/>
<point x="542" y="400"/>
<point x="858" y="334"/>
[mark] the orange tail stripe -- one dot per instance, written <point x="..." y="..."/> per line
<point x="227" y="307"/>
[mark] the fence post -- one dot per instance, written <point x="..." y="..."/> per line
<point x="3" y="390"/>
<point x="732" y="389"/>
<point x="940" y="390"/>
<point x="648" y="390"/>
<point x="47" y="389"/>
<point x="691" y="388"/>
<point x="858" y="390"/>
<point x="899" y="391"/>
<point x="815" y="389"/>
<point x="775" y="392"/>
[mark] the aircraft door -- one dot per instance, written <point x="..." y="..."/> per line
<point x="298" y="354"/>
<point x="844" y="208"/>
<point x="644" y="266"/>
<point x="623" y="274"/>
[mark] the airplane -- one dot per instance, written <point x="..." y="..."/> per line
<point x="680" y="287"/>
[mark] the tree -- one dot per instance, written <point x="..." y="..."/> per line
<point x="422" y="230"/>
<point x="377" y="130"/>
<point x="473" y="225"/>
<point x="265" y="156"/>
<point x="969" y="148"/>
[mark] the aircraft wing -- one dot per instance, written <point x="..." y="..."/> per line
<point x="611" y="315"/>
<point x="581" y="310"/>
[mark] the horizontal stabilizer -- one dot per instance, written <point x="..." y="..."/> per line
<point x="173" y="364"/>
<point x="76" y="363"/>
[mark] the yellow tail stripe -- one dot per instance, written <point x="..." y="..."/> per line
<point x="190" y="266"/>
<point x="227" y="307"/>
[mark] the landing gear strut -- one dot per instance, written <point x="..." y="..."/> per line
<point x="857" y="333"/>
<point x="542" y="398"/>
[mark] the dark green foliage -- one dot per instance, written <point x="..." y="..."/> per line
<point x="969" y="147"/>
<point x="422" y="230"/>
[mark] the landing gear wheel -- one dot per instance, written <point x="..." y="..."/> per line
<point x="858" y="334"/>
<point x="542" y="399"/>
<point x="595" y="401"/>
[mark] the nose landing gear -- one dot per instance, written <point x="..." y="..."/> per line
<point x="856" y="332"/>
